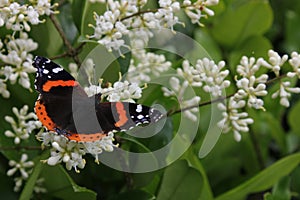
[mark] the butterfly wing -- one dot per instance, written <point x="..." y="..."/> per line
<point x="58" y="90"/>
<point x="124" y="115"/>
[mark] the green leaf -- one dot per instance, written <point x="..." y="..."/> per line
<point x="264" y="180"/>
<point x="60" y="185"/>
<point x="281" y="190"/>
<point x="124" y="62"/>
<point x="49" y="40"/>
<point x="206" y="47"/>
<point x="77" y="8"/>
<point x="180" y="182"/>
<point x="293" y="118"/>
<point x="292" y="31"/>
<point x="67" y="22"/>
<point x="7" y="185"/>
<point x="238" y="23"/>
<point x="194" y="161"/>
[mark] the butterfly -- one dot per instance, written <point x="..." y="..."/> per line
<point x="64" y="107"/>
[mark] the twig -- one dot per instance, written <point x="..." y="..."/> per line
<point x="70" y="50"/>
<point x="257" y="149"/>
<point x="77" y="50"/>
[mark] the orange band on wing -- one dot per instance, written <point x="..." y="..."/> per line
<point x="49" y="84"/>
<point x="41" y="113"/>
<point x="122" y="115"/>
<point x="79" y="137"/>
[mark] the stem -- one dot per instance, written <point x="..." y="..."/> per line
<point x="70" y="50"/>
<point x="170" y="113"/>
<point x="257" y="149"/>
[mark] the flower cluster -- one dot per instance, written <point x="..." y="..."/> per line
<point x="212" y="76"/>
<point x="233" y="118"/>
<point x="127" y="18"/>
<point x="251" y="87"/>
<point x="276" y="62"/>
<point x="194" y="9"/>
<point x="178" y="90"/>
<point x="63" y="150"/>
<point x="118" y="91"/>
<point x="25" y="124"/>
<point x="205" y="74"/>
<point x="146" y="65"/>
<point x="72" y="153"/>
<point x="17" y="17"/>
<point x="17" y="61"/>
<point x="24" y="167"/>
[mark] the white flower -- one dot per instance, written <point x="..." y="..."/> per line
<point x="275" y="61"/>
<point x="72" y="153"/>
<point x="177" y="90"/>
<point x="97" y="147"/>
<point x="20" y="166"/>
<point x="250" y="86"/>
<point x="249" y="89"/>
<point x="194" y="10"/>
<point x="149" y="65"/>
<point x="26" y="122"/>
<point x="44" y="7"/>
<point x="20" y="60"/>
<point x="295" y="63"/>
<point x="17" y="17"/>
<point x="73" y="69"/>
<point x="212" y="75"/>
<point x="193" y="112"/>
<point x="122" y="91"/>
<point x="3" y="89"/>
<point x="188" y="73"/>
<point x="233" y="119"/>
<point x="38" y="188"/>
<point x="68" y="152"/>
<point x="23" y="167"/>
<point x="284" y="92"/>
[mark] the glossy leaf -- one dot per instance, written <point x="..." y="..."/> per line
<point x="242" y="21"/>
<point x="180" y="182"/>
<point x="265" y="179"/>
<point x="293" y="118"/>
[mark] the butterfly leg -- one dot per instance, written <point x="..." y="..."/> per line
<point x="61" y="131"/>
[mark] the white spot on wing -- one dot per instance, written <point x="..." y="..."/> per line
<point x="56" y="70"/>
<point x="45" y="71"/>
<point x="140" y="116"/>
<point x="139" y="108"/>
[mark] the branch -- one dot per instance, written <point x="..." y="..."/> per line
<point x="70" y="50"/>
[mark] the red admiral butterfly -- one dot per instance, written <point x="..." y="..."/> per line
<point x="64" y="107"/>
